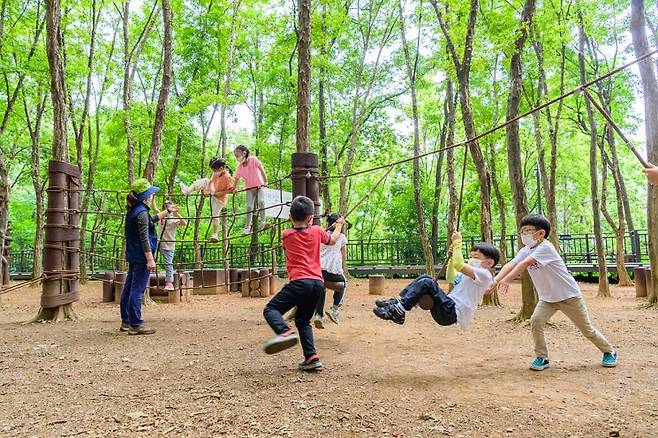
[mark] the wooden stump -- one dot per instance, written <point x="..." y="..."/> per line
<point x="185" y="284"/>
<point x="274" y="284"/>
<point x="265" y="283"/>
<point x="640" y="282"/>
<point x="254" y="283"/>
<point x="209" y="281"/>
<point x="108" y="287"/>
<point x="647" y="278"/>
<point x="243" y="282"/>
<point x="119" y="280"/>
<point x="173" y="296"/>
<point x="376" y="285"/>
<point x="233" y="279"/>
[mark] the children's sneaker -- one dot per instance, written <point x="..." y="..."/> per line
<point x="281" y="342"/>
<point x="334" y="314"/>
<point x="169" y="285"/>
<point x="311" y="364"/>
<point x="185" y="189"/>
<point x="318" y="322"/>
<point x="246" y="232"/>
<point x="124" y="327"/>
<point x="214" y="238"/>
<point x="609" y="359"/>
<point x="392" y="312"/>
<point x="385" y="302"/>
<point x="539" y="364"/>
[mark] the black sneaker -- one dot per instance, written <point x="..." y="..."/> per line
<point x="385" y="302"/>
<point x="390" y="313"/>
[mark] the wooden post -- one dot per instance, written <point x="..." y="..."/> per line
<point x="119" y="281"/>
<point x="108" y="287"/>
<point x="376" y="284"/>
<point x="265" y="282"/>
<point x="640" y="282"/>
<point x="305" y="179"/>
<point x="61" y="250"/>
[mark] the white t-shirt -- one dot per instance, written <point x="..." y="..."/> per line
<point x="550" y="276"/>
<point x="331" y="258"/>
<point x="468" y="294"/>
<point x="168" y="238"/>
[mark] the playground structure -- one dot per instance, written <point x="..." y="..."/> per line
<point x="63" y="253"/>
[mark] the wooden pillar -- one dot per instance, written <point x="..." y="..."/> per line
<point x="61" y="260"/>
<point x="376" y="285"/>
<point x="305" y="179"/>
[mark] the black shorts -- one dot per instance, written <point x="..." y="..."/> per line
<point x="336" y="278"/>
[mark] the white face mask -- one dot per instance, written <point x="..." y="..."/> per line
<point x="528" y="240"/>
<point x="475" y="263"/>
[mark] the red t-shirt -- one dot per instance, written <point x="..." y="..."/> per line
<point x="303" y="252"/>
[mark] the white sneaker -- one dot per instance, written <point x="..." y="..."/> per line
<point x="185" y="189"/>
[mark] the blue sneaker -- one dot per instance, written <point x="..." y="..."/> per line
<point x="539" y="364"/>
<point x="609" y="359"/>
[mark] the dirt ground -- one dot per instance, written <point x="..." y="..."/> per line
<point x="204" y="373"/>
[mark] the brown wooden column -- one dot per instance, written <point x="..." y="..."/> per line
<point x="305" y="181"/>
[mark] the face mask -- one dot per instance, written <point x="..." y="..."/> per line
<point x="528" y="240"/>
<point x="475" y="263"/>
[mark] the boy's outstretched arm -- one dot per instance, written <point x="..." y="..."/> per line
<point x="509" y="272"/>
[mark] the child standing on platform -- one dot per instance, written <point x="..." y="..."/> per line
<point x="255" y="179"/>
<point x="218" y="187"/>
<point x="305" y="285"/>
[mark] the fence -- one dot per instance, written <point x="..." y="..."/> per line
<point x="574" y="248"/>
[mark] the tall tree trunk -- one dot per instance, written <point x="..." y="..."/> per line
<point x="80" y="133"/>
<point x="450" y="161"/>
<point x="463" y="69"/>
<point x="174" y="166"/>
<point x="650" y="89"/>
<point x="514" y="163"/>
<point x="127" y="93"/>
<point x="304" y="76"/>
<point x="619" y="228"/>
<point x="418" y="201"/>
<point x="54" y="39"/>
<point x="322" y="127"/>
<point x="161" y="110"/>
<point x="604" y="289"/>
<point x="35" y="137"/>
<point x="4" y="211"/>
<point x="221" y="147"/>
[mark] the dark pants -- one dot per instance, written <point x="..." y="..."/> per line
<point x="132" y="293"/>
<point x="338" y="295"/>
<point x="443" y="310"/>
<point x="301" y="293"/>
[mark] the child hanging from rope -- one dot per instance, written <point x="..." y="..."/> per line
<point x="555" y="286"/>
<point x="169" y="224"/>
<point x="471" y="279"/>
<point x="331" y="261"/>
<point x="305" y="285"/>
<point x="255" y="179"/>
<point x="218" y="186"/>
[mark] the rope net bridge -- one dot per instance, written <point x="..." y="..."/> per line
<point x="219" y="266"/>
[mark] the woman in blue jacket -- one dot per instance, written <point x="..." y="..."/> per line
<point x="141" y="243"/>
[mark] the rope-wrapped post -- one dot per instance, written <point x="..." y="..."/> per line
<point x="305" y="179"/>
<point x="6" y="258"/>
<point x="61" y="260"/>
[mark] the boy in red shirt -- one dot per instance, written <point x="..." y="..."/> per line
<point x="305" y="284"/>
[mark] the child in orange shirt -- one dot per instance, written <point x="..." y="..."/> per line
<point x="219" y="185"/>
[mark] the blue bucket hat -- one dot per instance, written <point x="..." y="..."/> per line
<point x="143" y="189"/>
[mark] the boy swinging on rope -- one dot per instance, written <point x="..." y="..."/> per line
<point x="471" y="279"/>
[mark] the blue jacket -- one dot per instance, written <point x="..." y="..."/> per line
<point x="134" y="250"/>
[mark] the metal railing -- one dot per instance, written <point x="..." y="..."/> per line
<point x="574" y="248"/>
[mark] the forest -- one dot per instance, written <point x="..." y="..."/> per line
<point x="156" y="88"/>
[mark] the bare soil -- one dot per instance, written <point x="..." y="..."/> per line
<point x="204" y="374"/>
